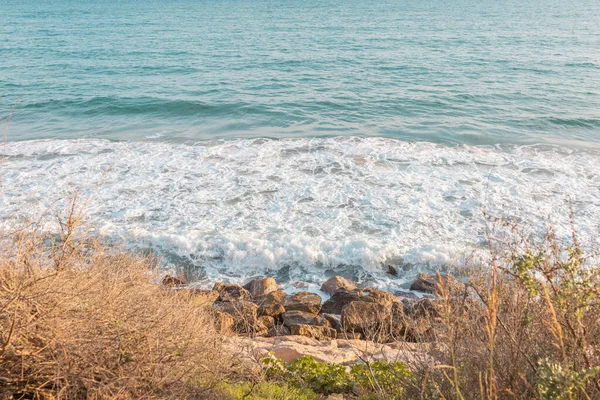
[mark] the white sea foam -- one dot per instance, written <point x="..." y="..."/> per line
<point x="309" y="206"/>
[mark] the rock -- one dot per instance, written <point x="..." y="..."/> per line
<point x="303" y="318"/>
<point x="263" y="325"/>
<point x="428" y="283"/>
<point x="424" y="308"/>
<point x="311" y="331"/>
<point x="303" y="301"/>
<point x="223" y="322"/>
<point x="244" y="315"/>
<point x="231" y="292"/>
<point x="392" y="271"/>
<point x="270" y="304"/>
<point x="273" y="310"/>
<point x="287" y="353"/>
<point x="364" y="317"/>
<point x="204" y="298"/>
<point x="278" y="330"/>
<point x="334" y="321"/>
<point x="332" y="285"/>
<point x="171" y="281"/>
<point x="341" y="298"/>
<point x="261" y="286"/>
<point x="335" y="396"/>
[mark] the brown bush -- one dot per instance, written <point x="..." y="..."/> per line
<point x="80" y="321"/>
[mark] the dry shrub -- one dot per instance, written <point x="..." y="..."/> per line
<point x="80" y="321"/>
<point x="527" y="327"/>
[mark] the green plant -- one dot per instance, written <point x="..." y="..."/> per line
<point x="555" y="383"/>
<point x="265" y="391"/>
<point x="382" y="377"/>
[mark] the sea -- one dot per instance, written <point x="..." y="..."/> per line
<point x="302" y="138"/>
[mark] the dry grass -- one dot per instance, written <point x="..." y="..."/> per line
<point x="79" y="321"/>
<point x="527" y="326"/>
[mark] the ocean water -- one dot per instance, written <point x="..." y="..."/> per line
<point x="302" y="139"/>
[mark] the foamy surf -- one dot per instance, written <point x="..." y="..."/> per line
<point x="302" y="209"/>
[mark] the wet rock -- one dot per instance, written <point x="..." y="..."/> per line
<point x="171" y="281"/>
<point x="332" y="285"/>
<point x="261" y="286"/>
<point x="303" y="301"/>
<point x="365" y="317"/>
<point x="270" y="304"/>
<point x="244" y="315"/>
<point x="334" y="321"/>
<point x="311" y="331"/>
<point x="303" y="318"/>
<point x="391" y="270"/>
<point x="341" y="298"/>
<point x="223" y="322"/>
<point x="429" y="283"/>
<point x="231" y="292"/>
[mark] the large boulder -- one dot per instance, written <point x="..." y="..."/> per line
<point x="430" y="283"/>
<point x="244" y="313"/>
<point x="261" y="286"/>
<point x="231" y="292"/>
<point x="296" y="317"/>
<point x="342" y="297"/>
<point x="303" y="301"/>
<point x="365" y="317"/>
<point x="270" y="304"/>
<point x="311" y="331"/>
<point x="336" y="283"/>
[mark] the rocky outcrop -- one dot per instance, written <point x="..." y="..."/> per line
<point x="303" y="301"/>
<point x="261" y="309"/>
<point x="336" y="283"/>
<point x="261" y="286"/>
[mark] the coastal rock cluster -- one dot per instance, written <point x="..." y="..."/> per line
<point x="261" y="309"/>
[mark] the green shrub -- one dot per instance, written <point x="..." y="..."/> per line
<point x="307" y="372"/>
<point x="382" y="377"/>
<point x="265" y="391"/>
<point x="379" y="377"/>
<point x="555" y="383"/>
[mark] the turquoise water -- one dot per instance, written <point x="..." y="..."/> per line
<point x="466" y="71"/>
<point x="302" y="139"/>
